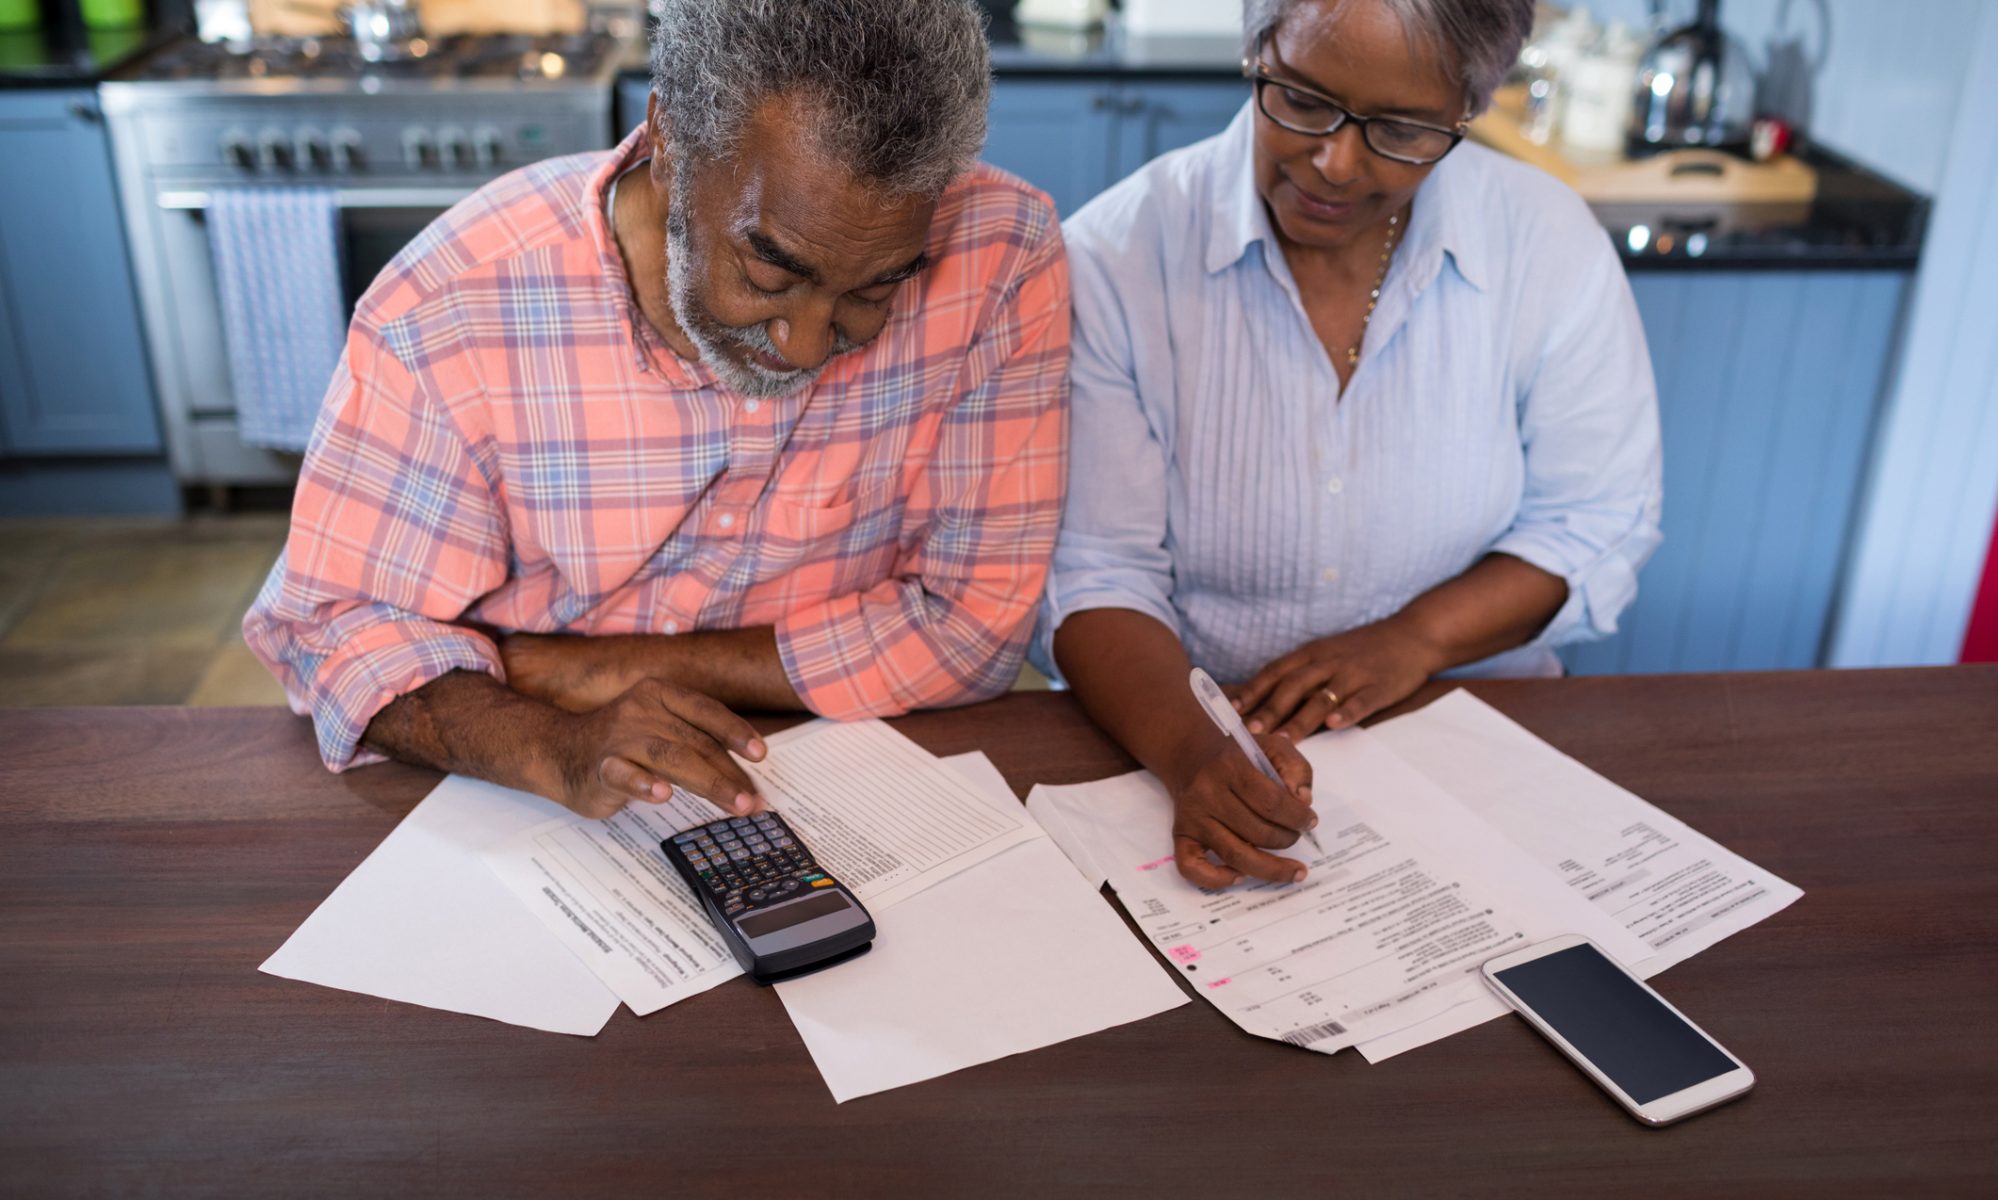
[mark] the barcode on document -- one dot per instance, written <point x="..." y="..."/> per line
<point x="1313" y="1033"/>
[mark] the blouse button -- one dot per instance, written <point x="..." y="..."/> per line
<point x="1335" y="485"/>
<point x="1329" y="574"/>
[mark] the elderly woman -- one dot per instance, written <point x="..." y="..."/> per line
<point x="1355" y="405"/>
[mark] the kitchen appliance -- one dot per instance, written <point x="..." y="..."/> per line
<point x="400" y="139"/>
<point x="1695" y="87"/>
<point x="379" y="29"/>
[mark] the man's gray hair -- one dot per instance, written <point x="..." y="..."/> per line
<point x="897" y="89"/>
<point x="1477" y="39"/>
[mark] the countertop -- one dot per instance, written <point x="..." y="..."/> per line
<point x="1859" y="221"/>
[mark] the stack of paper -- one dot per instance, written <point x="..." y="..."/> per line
<point x="988" y="943"/>
<point x="1450" y="835"/>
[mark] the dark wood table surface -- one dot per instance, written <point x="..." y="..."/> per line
<point x="151" y="858"/>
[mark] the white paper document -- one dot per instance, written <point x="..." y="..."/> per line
<point x="884" y="816"/>
<point x="1411" y="894"/>
<point x="422" y="920"/>
<point x="1013" y="954"/>
<point x="1671" y="886"/>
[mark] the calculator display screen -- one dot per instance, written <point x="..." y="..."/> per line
<point x="823" y="904"/>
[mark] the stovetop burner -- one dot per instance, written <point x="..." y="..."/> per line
<point x="513" y="58"/>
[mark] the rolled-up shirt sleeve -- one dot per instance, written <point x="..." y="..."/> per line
<point x="1112" y="551"/>
<point x="1588" y="423"/>
<point x="950" y="626"/>
<point x="395" y="532"/>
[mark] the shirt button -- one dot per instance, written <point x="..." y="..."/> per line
<point x="1329" y="574"/>
<point x="672" y="627"/>
<point x="752" y="405"/>
<point x="1335" y="485"/>
<point x="727" y="521"/>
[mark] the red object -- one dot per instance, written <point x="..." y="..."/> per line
<point x="1980" y="644"/>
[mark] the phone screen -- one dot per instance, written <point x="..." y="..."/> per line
<point x="1644" y="1047"/>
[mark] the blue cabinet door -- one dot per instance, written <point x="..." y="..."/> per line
<point x="1154" y="118"/>
<point x="1769" y="384"/>
<point x="1055" y="134"/>
<point x="73" y="373"/>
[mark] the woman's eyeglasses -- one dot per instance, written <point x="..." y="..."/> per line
<point x="1303" y="111"/>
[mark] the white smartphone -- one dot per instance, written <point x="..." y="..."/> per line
<point x="1623" y="1035"/>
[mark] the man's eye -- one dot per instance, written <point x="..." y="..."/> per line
<point x="875" y="295"/>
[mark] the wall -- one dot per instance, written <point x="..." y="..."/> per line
<point x="1874" y="79"/>
<point x="1928" y="513"/>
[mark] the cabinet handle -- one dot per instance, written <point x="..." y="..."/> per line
<point x="86" y="113"/>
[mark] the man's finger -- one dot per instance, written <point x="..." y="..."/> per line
<point x="703" y="769"/>
<point x="1251" y="861"/>
<point x="626" y="778"/>
<point x="1200" y="871"/>
<point x="711" y="717"/>
<point x="1309" y="717"/>
<point x="1290" y="764"/>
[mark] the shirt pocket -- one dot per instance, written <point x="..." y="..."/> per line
<point x="792" y="534"/>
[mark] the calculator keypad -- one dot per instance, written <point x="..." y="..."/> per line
<point x="749" y="861"/>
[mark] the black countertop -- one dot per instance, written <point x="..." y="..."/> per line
<point x="1860" y="221"/>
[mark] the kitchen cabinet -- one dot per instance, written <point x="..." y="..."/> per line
<point x="1769" y="390"/>
<point x="73" y="375"/>
<point x="1073" y="138"/>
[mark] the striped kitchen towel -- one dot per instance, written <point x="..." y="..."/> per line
<point x="284" y="310"/>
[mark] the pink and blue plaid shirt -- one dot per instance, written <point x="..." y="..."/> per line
<point x="508" y="446"/>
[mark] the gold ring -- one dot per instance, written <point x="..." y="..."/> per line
<point x="1332" y="696"/>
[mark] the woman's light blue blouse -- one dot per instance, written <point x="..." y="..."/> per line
<point x="1218" y="481"/>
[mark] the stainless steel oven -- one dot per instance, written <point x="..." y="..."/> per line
<point x="399" y="142"/>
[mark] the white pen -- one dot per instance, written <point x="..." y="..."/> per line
<point x="1215" y="701"/>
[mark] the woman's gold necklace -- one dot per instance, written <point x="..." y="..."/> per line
<point x="1374" y="297"/>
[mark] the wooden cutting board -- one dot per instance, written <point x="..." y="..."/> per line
<point x="1673" y="177"/>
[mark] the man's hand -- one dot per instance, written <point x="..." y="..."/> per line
<point x="649" y="739"/>
<point x="580" y="674"/>
<point x="1337" y="681"/>
<point x="1221" y="804"/>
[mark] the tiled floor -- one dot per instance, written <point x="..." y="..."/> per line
<point x="140" y="612"/>
<point x="133" y="611"/>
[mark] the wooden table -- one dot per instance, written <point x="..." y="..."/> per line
<point x="151" y="858"/>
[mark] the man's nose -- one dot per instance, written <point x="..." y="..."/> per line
<point x="1341" y="155"/>
<point x="805" y="338"/>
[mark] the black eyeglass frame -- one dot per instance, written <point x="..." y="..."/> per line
<point x="1263" y="81"/>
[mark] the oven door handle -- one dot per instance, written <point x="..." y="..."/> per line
<point x="344" y="198"/>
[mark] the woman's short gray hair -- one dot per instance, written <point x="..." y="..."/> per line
<point x="899" y="88"/>
<point x="1477" y="39"/>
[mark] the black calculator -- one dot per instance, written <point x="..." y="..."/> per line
<point x="781" y="914"/>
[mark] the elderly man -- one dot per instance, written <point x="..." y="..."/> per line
<point x="769" y="402"/>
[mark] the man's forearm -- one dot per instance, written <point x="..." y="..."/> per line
<point x="468" y="723"/>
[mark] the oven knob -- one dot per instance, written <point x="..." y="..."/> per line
<point x="488" y="147"/>
<point x="452" y="148"/>
<point x="347" y="154"/>
<point x="274" y="151"/>
<point x="312" y="151"/>
<point x="418" y="150"/>
<point x="236" y="150"/>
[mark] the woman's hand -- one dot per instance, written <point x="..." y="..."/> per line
<point x="1221" y="804"/>
<point x="580" y="674"/>
<point x="1337" y="681"/>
